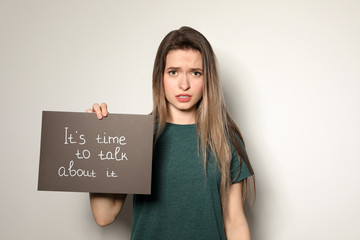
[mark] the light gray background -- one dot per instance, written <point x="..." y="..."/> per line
<point x="290" y="71"/>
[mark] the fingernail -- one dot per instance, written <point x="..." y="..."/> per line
<point x="99" y="116"/>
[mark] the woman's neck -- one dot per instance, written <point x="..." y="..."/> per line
<point x="181" y="117"/>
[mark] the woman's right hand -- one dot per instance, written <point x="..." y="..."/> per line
<point x="100" y="110"/>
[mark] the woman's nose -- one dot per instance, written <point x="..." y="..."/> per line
<point x="184" y="82"/>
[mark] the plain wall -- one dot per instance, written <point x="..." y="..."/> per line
<point x="291" y="76"/>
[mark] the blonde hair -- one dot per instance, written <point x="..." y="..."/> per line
<point x="215" y="127"/>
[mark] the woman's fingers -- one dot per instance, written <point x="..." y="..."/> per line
<point x="104" y="109"/>
<point x="96" y="109"/>
<point x="100" y="110"/>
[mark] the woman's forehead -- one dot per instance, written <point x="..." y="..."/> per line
<point x="189" y="57"/>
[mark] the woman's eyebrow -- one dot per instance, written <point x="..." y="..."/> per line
<point x="173" y="68"/>
<point x="177" y="68"/>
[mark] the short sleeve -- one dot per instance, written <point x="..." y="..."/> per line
<point x="237" y="176"/>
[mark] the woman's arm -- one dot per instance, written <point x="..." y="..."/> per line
<point x="236" y="226"/>
<point x="106" y="207"/>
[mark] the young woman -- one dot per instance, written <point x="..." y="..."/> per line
<point x="201" y="172"/>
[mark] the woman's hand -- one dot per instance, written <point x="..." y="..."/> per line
<point x="100" y="110"/>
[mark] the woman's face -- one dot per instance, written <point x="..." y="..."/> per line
<point x="183" y="81"/>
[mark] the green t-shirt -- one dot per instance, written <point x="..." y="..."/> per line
<point x="184" y="204"/>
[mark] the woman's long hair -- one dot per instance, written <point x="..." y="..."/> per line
<point x="215" y="127"/>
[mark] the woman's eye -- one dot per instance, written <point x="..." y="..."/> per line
<point x="197" y="73"/>
<point x="172" y="72"/>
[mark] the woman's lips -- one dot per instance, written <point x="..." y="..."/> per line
<point x="183" y="97"/>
